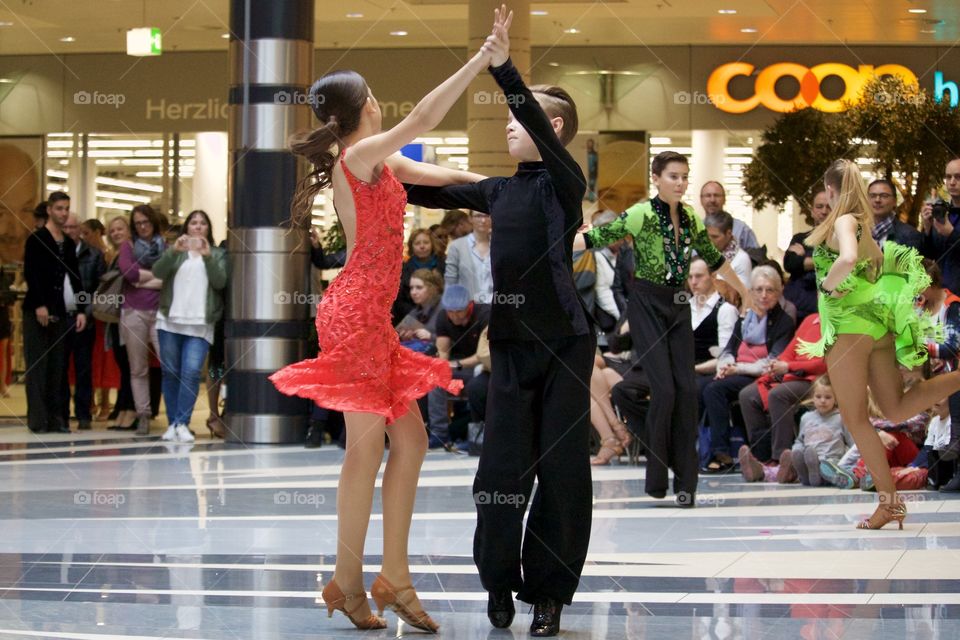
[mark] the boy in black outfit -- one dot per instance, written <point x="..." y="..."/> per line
<point x="541" y="347"/>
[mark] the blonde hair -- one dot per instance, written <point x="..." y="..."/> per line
<point x="844" y="176"/>
<point x="819" y="383"/>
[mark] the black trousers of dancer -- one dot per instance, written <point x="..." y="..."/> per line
<point x="537" y="426"/>
<point x="662" y="335"/>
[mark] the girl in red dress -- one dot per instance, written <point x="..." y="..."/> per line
<point x="362" y="370"/>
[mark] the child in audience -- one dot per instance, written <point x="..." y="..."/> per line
<point x="939" y="471"/>
<point x="822" y="436"/>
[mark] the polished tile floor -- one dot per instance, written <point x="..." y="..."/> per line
<point x="107" y="536"/>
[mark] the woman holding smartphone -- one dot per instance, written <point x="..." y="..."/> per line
<point x="194" y="273"/>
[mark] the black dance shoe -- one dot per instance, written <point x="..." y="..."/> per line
<point x="500" y="609"/>
<point x="546" y="618"/>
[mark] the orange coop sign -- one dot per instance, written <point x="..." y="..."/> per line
<point x="809" y="79"/>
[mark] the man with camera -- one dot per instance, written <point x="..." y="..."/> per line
<point x="941" y="242"/>
<point x="941" y="231"/>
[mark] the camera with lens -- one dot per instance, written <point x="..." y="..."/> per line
<point x="939" y="209"/>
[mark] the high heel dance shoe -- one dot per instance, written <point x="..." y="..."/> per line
<point x="609" y="449"/>
<point x="620" y="430"/>
<point x="336" y="601"/>
<point x="386" y="595"/>
<point x="885" y="514"/>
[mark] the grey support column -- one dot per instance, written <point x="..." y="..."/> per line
<point x="267" y="322"/>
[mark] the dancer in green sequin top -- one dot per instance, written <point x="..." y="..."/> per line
<point x="869" y="324"/>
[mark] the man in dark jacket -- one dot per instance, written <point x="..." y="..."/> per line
<point x="79" y="343"/>
<point x="52" y="273"/>
<point x="883" y="199"/>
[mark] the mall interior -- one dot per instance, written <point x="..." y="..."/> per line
<point x="122" y="520"/>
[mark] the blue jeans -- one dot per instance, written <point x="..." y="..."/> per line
<point x="181" y="358"/>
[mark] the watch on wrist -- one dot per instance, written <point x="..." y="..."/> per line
<point x="457" y="365"/>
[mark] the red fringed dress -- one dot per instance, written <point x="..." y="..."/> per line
<point x="361" y="366"/>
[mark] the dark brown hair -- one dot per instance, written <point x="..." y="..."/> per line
<point x="557" y="103"/>
<point x="57" y="196"/>
<point x="203" y="214"/>
<point x="662" y="159"/>
<point x="151" y="215"/>
<point x="337" y="100"/>
<point x="94" y="225"/>
<point x="933" y="270"/>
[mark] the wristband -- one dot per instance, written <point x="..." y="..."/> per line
<point x="824" y="290"/>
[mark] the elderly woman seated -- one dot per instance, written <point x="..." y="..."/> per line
<point x="757" y="339"/>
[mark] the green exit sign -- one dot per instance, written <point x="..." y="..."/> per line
<point x="145" y="41"/>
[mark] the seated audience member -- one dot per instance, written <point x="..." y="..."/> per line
<point x="823" y="440"/>
<point x="788" y="307"/>
<point x="759" y="337"/>
<point x="770" y="404"/>
<point x="940" y="472"/>
<point x="423" y="252"/>
<point x="720" y="229"/>
<point x="418" y="329"/>
<point x="631" y="396"/>
<point x="822" y="437"/>
<point x="476" y="391"/>
<point x="458" y="329"/>
<point x="712" y="316"/>
<point x="801" y="290"/>
<point x="614" y="437"/>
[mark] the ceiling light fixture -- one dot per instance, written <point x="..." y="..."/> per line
<point x="354" y="15"/>
<point x="539" y="12"/>
<point x="68" y="39"/>
<point x="916" y="10"/>
<point x="398" y="33"/>
<point x="571" y="30"/>
<point x="726" y="12"/>
<point x="748" y="30"/>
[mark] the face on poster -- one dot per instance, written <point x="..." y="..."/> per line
<point x="621" y="169"/>
<point x="21" y="162"/>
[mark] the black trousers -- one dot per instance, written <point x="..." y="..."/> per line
<point x="43" y="349"/>
<point x="476" y="390"/>
<point x="537" y="426"/>
<point x="125" y="393"/>
<point x="662" y="335"/>
<point x="80" y="346"/>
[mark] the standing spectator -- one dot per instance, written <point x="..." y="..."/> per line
<point x="941" y="242"/>
<point x="92" y="232"/>
<point x="194" y="274"/>
<point x="886" y="226"/>
<point x="468" y="260"/>
<point x="456" y="223"/>
<point x="757" y="339"/>
<point x="7" y="299"/>
<point x="459" y="326"/>
<point x="944" y="305"/>
<point x="53" y="275"/>
<point x="770" y="404"/>
<point x="423" y="252"/>
<point x="801" y="290"/>
<point x="106" y="375"/>
<point x="941" y="238"/>
<point x="124" y="410"/>
<point x="720" y="229"/>
<point x="79" y="343"/>
<point x="712" y="198"/>
<point x="141" y="298"/>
